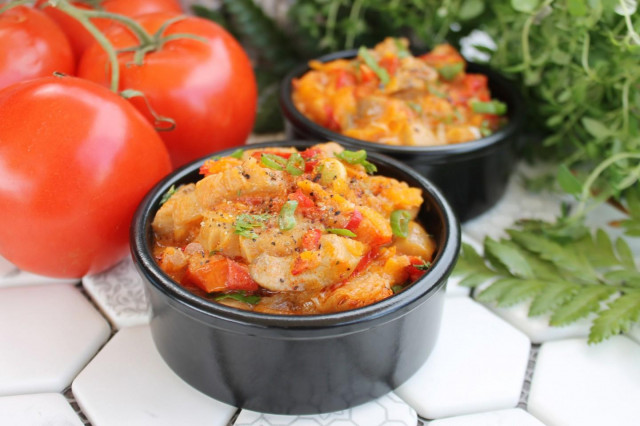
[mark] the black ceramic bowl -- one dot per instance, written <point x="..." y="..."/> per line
<point x="297" y="364"/>
<point x="471" y="175"/>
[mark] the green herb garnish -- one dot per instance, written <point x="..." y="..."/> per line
<point x="415" y="106"/>
<point x="295" y="165"/>
<point x="400" y="223"/>
<point x="371" y="62"/>
<point x="397" y="288"/>
<point x="273" y="161"/>
<point x="403" y="52"/>
<point x="240" y="296"/>
<point x="343" y="232"/>
<point x="246" y="223"/>
<point x="168" y="194"/>
<point x="491" y="107"/>
<point x="424" y="266"/>
<point x="451" y="71"/>
<point x="286" y="218"/>
<point x="357" y="157"/>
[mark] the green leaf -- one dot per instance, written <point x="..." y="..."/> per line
<point x="497" y="289"/>
<point x="618" y="318"/>
<point x="526" y="6"/>
<point x="568" y="182"/>
<point x="577" y="7"/>
<point x="553" y="295"/>
<point x="523" y="290"/>
<point x="625" y="254"/>
<point x="585" y="301"/>
<point x="240" y="296"/>
<point x="470" y="9"/>
<point x="597" y="129"/>
<point x="165" y="197"/>
<point x="470" y="261"/>
<point x="474" y="280"/>
<point x="510" y="256"/>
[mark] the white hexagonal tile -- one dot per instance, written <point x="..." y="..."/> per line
<point x="478" y="364"/>
<point x="120" y="293"/>
<point x="510" y="417"/>
<point x="128" y="383"/>
<point x="11" y="275"/>
<point x="37" y="409"/>
<point x="48" y="334"/>
<point x="538" y="328"/>
<point x="517" y="203"/>
<point x="386" y="410"/>
<point x="577" y="384"/>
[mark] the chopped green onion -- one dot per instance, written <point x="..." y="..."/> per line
<point x="357" y="157"/>
<point x="168" y="194"/>
<point x="343" y="232"/>
<point x="424" y="266"/>
<point x="400" y="223"/>
<point x="450" y="71"/>
<point x="403" y="52"/>
<point x="273" y="161"/>
<point x="240" y="296"/>
<point x="237" y="153"/>
<point x="295" y="165"/>
<point x="286" y="219"/>
<point x="371" y="62"/>
<point x="397" y="288"/>
<point x="491" y="107"/>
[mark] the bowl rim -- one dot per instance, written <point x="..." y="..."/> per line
<point x="515" y="112"/>
<point x="381" y="311"/>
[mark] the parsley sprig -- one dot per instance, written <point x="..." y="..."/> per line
<point x="246" y="223"/>
<point x="567" y="275"/>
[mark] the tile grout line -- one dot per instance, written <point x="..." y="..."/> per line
<point x="68" y="393"/>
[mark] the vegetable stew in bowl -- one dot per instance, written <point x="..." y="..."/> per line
<point x="282" y="231"/>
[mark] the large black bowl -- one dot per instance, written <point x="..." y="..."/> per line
<point x="472" y="175"/>
<point x="297" y="364"/>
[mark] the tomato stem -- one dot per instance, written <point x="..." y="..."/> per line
<point x="13" y="4"/>
<point x="144" y="38"/>
<point x="82" y="16"/>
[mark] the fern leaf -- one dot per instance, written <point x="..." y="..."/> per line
<point x="553" y="295"/>
<point x="524" y="290"/>
<point x="585" y="301"/>
<point x="625" y="255"/>
<point x="497" y="289"/>
<point x="621" y="313"/>
<point x="509" y="255"/>
<point x="474" y="280"/>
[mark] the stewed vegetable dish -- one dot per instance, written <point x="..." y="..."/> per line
<point x="387" y="95"/>
<point x="283" y="231"/>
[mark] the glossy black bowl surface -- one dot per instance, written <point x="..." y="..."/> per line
<point x="297" y="364"/>
<point x="471" y="175"/>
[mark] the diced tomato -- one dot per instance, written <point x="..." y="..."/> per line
<point x="238" y="277"/>
<point x="354" y="222"/>
<point x="415" y="273"/>
<point x="210" y="276"/>
<point x="310" y="153"/>
<point x="311" y="239"/>
<point x="304" y="201"/>
<point x="390" y="63"/>
<point x="330" y="122"/>
<point x="299" y="266"/>
<point x="474" y="83"/>
<point x="310" y="165"/>
<point x="219" y="273"/>
<point x="344" y="78"/>
<point x="366" y="260"/>
<point x="367" y="74"/>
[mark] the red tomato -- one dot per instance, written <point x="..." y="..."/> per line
<point x="31" y="46"/>
<point x="75" y="162"/>
<point x="81" y="39"/>
<point x="208" y="88"/>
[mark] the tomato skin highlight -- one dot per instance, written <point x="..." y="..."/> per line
<point x="208" y="89"/>
<point x="81" y="39"/>
<point x="75" y="162"/>
<point x="31" y="46"/>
